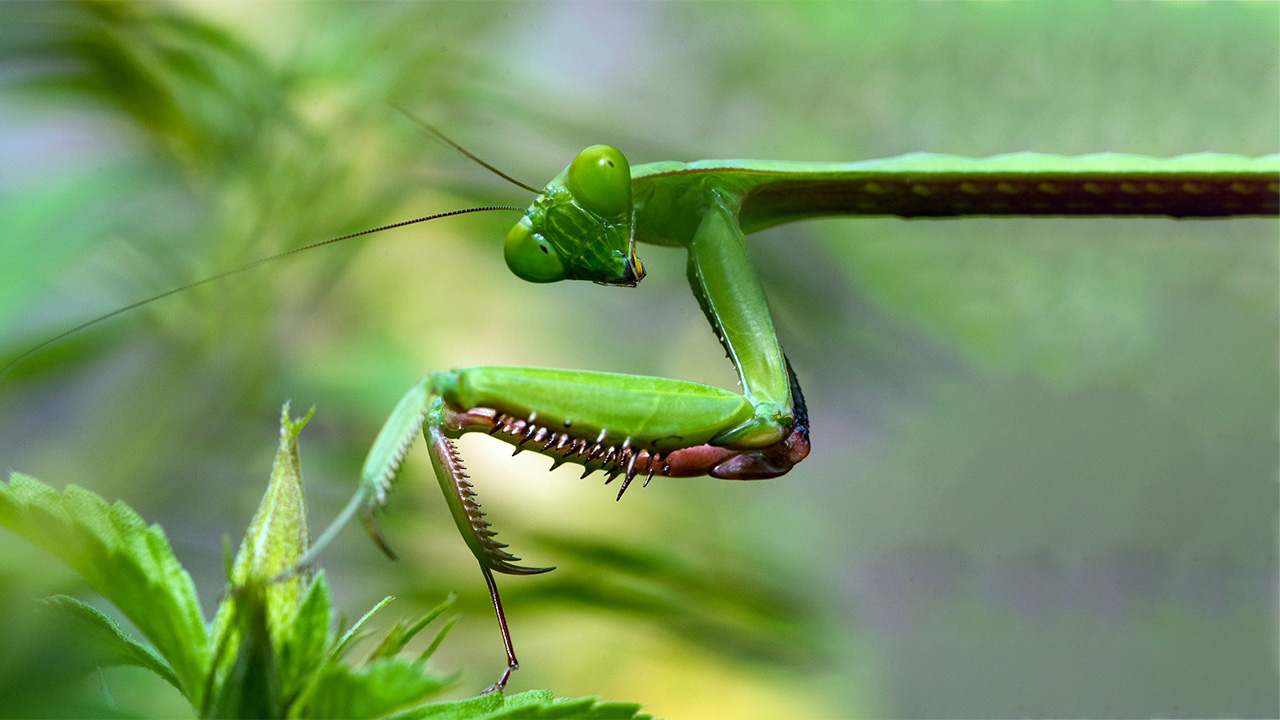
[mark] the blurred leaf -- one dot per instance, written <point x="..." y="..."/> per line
<point x="1072" y="299"/>
<point x="304" y="645"/>
<point x="434" y="645"/>
<point x="108" y="642"/>
<point x="742" y="613"/>
<point x="121" y="558"/>
<point x="399" y="635"/>
<point x="74" y="204"/>
<point x="181" y="79"/>
<point x="343" y="645"/>
<point x="251" y="687"/>
<point x="531" y="705"/>
<point x="372" y="690"/>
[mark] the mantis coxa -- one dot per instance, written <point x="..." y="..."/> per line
<point x="586" y="224"/>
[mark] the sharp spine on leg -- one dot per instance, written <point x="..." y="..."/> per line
<point x="499" y="424"/>
<point x="631" y="466"/>
<point x="626" y="481"/>
<point x="599" y="454"/>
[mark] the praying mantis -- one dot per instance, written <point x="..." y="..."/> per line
<point x="586" y="224"/>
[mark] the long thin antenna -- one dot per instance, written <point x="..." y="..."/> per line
<point x="4" y="373"/>
<point x="431" y="129"/>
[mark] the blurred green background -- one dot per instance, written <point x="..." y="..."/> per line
<point x="1044" y="469"/>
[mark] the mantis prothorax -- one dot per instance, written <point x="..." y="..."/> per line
<point x="585" y="224"/>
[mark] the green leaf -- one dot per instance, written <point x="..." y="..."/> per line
<point x="305" y="642"/>
<point x="344" y="643"/>
<point x="251" y="688"/>
<point x="473" y="707"/>
<point x="277" y="537"/>
<point x="439" y="638"/>
<point x="746" y="613"/>
<point x="109" y="642"/>
<point x="121" y="558"/>
<point x="399" y="635"/>
<point x="373" y="690"/>
<point x="538" y="704"/>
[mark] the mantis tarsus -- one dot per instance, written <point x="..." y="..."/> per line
<point x="585" y="224"/>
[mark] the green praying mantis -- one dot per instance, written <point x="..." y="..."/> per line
<point x="585" y="225"/>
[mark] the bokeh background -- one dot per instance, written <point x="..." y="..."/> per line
<point x="1045" y="450"/>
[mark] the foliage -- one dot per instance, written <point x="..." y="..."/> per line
<point x="272" y="650"/>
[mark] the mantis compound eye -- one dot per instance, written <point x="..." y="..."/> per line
<point x="600" y="180"/>
<point x="531" y="257"/>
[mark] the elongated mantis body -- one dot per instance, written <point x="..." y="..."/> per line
<point x="585" y="225"/>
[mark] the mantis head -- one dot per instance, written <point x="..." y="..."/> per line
<point x="580" y="228"/>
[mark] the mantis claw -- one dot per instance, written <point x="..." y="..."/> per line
<point x="461" y="498"/>
<point x="497" y="400"/>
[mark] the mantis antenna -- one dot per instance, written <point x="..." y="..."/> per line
<point x="471" y="156"/>
<point x="8" y="368"/>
